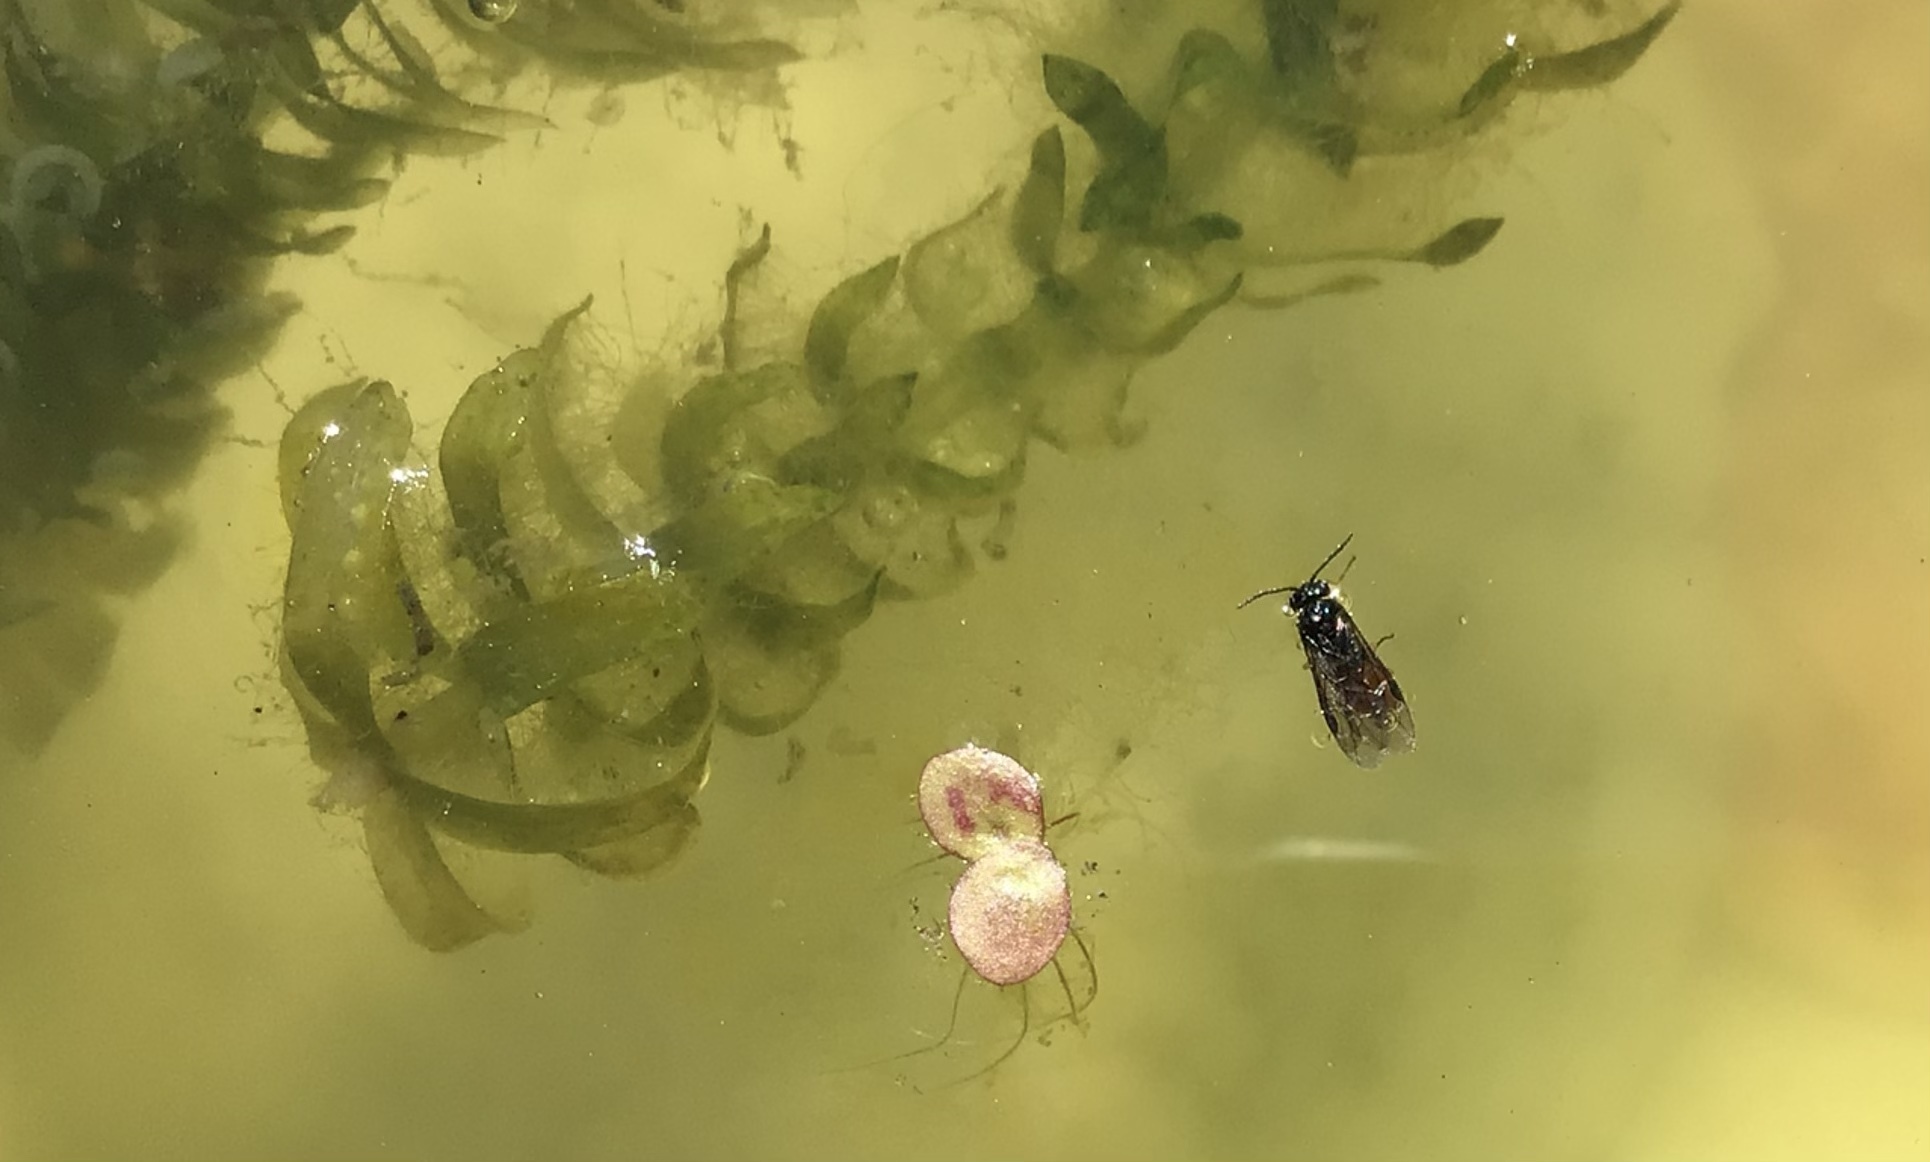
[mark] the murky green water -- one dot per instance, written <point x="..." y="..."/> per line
<point x="1651" y="885"/>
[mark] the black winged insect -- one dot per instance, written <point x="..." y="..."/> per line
<point x="1361" y="701"/>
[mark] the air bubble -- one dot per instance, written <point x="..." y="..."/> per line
<point x="492" y="11"/>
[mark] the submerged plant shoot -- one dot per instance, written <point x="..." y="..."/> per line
<point x="523" y="639"/>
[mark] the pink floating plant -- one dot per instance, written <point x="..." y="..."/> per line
<point x="974" y="799"/>
<point x="1011" y="910"/>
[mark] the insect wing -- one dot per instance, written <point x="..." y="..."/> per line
<point x="1362" y="703"/>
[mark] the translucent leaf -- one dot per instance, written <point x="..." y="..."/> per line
<point x="967" y="415"/>
<point x="427" y="899"/>
<point x="1123" y="195"/>
<point x="487" y="427"/>
<point x="1493" y="83"/>
<point x="735" y="424"/>
<point x="525" y="656"/>
<point x="1094" y="103"/>
<point x="553" y="828"/>
<point x="1143" y="298"/>
<point x="815" y="567"/>
<point x="1599" y="63"/>
<point x="1205" y="228"/>
<point x="1204" y="59"/>
<point x="1461" y="242"/>
<point x="1039" y="209"/>
<point x="840" y="313"/>
<point x="1298" y="40"/>
<point x="342" y="611"/>
<point x="766" y="677"/>
<point x="965" y="277"/>
<point x="744" y="521"/>
<point x="645" y="854"/>
<point x="916" y="543"/>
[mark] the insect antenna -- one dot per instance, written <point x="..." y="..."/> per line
<point x="1338" y="550"/>
<point x="1321" y="568"/>
<point x="1266" y="593"/>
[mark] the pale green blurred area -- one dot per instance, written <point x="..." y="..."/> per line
<point x="1561" y="461"/>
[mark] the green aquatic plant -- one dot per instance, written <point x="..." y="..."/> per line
<point x="489" y="654"/>
<point x="131" y="281"/>
<point x="521" y="685"/>
<point x="1316" y="79"/>
<point x="603" y="41"/>
<point x="499" y="649"/>
<point x="143" y="212"/>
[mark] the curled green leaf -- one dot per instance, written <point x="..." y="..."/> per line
<point x="531" y="652"/>
<point x="740" y="524"/>
<point x="1299" y="40"/>
<point x="1204" y="58"/>
<point x="1204" y="228"/>
<point x="432" y="906"/>
<point x="1599" y="63"/>
<point x="486" y="429"/>
<point x="551" y="828"/>
<point x="737" y="424"/>
<point x="1461" y="242"/>
<point x="1095" y="104"/>
<point x="1175" y="332"/>
<point x="1494" y="83"/>
<point x="1132" y="153"/>
<point x="343" y="614"/>
<point x="1124" y="194"/>
<point x="1039" y="209"/>
<point x="840" y="313"/>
